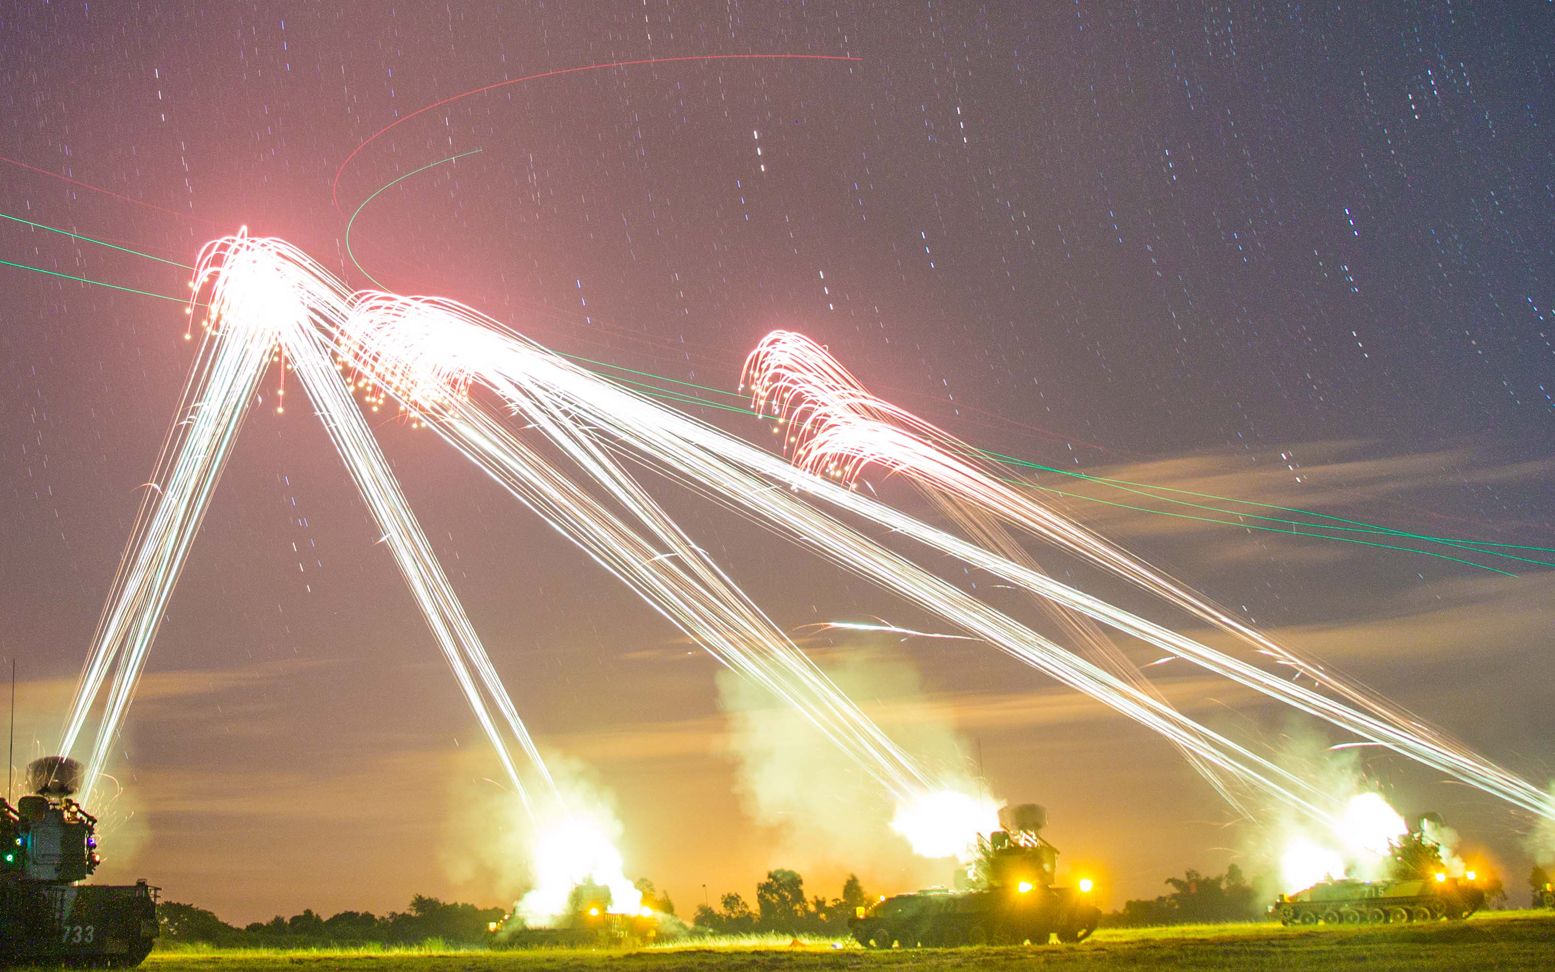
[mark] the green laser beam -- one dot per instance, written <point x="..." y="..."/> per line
<point x="1268" y="529"/>
<point x="383" y="189"/>
<point x="87" y="239"/>
<point x="1149" y="490"/>
<point x="95" y="283"/>
<point x="1356" y="526"/>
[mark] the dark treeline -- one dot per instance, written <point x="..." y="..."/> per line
<point x="782" y="907"/>
<point x="428" y="918"/>
<point x="1195" y="898"/>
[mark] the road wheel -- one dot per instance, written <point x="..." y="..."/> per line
<point x="1419" y="913"/>
<point x="977" y="936"/>
<point x="1330" y="917"/>
<point x="1397" y="915"/>
<point x="1287" y="915"/>
<point x="881" y="937"/>
<point x="1004" y="934"/>
<point x="951" y="937"/>
<point x="1548" y="898"/>
<point x="1308" y="918"/>
<point x="1376" y="916"/>
<point x="1350" y="916"/>
<point x="1082" y="924"/>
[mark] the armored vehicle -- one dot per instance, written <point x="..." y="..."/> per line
<point x="1011" y="898"/>
<point x="587" y="921"/>
<point x="48" y="844"/>
<point x="1544" y="897"/>
<point x="1349" y="902"/>
<point x="1419" y="888"/>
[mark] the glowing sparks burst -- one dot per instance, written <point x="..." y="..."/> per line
<point x="1358" y="842"/>
<point x="1369" y="826"/>
<point x="946" y="823"/>
<point x="1306" y="862"/>
<point x="571" y="849"/>
<point x="486" y="390"/>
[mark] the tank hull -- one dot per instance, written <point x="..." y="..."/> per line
<point x="948" y="919"/>
<point x="1358" y="903"/>
<point x="78" y="925"/>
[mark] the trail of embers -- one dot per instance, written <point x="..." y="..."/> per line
<point x="266" y="299"/>
<point x="269" y="300"/>
<point x="486" y="389"/>
<point x="837" y="428"/>
<point x="437" y="350"/>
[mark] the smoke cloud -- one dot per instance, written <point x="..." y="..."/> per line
<point x="1294" y="852"/>
<point x="538" y="858"/>
<point x="824" y="810"/>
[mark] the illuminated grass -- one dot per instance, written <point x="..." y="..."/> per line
<point x="1499" y="940"/>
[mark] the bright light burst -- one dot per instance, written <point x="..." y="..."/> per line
<point x="1306" y="862"/>
<point x="488" y="391"/>
<point x="946" y="823"/>
<point x="1358" y="841"/>
<point x="574" y="848"/>
<point x="1369" y="826"/>
<point x="838" y="428"/>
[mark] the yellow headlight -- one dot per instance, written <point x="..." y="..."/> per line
<point x="594" y="912"/>
<point x="1023" y="887"/>
<point x="1087" y="885"/>
<point x="1472" y="876"/>
<point x="1441" y="877"/>
<point x="859" y="911"/>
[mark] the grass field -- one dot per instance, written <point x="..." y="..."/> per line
<point x="1499" y="940"/>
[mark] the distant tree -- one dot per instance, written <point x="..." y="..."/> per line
<point x="351" y="926"/>
<point x="780" y="901"/>
<point x="707" y="917"/>
<point x="305" y="925"/>
<point x="737" y="916"/>
<point x="853" y="895"/>
<point x="186" y="923"/>
<point x="1196" y="897"/>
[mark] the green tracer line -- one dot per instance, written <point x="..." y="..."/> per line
<point x="1267" y="529"/>
<point x="1143" y="489"/>
<point x="1358" y="526"/>
<point x="1352" y="526"/>
<point x="88" y="239"/>
<point x="649" y="374"/>
<point x="95" y="283"/>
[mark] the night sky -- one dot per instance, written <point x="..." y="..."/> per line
<point x="1301" y="255"/>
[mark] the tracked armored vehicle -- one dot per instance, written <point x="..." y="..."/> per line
<point x="48" y="844"/>
<point x="1350" y="902"/>
<point x="586" y="922"/>
<point x="1012" y="898"/>
<point x="1418" y="889"/>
